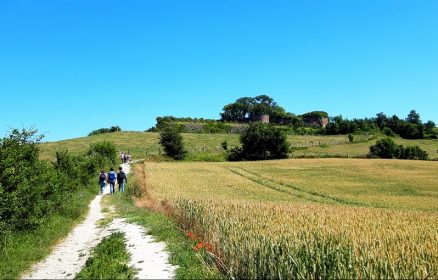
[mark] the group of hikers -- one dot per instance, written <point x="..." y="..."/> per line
<point x="125" y="158"/>
<point x="112" y="178"/>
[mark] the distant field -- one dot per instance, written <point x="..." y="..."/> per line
<point x="308" y="218"/>
<point x="362" y="148"/>
<point x="141" y="143"/>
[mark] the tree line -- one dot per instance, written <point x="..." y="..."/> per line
<point x="246" y="109"/>
<point x="114" y="128"/>
<point x="409" y="128"/>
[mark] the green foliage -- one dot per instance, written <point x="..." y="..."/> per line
<point x="76" y="169"/>
<point x="314" y="114"/>
<point x="413" y="117"/>
<point x="387" y="148"/>
<point x="172" y="143"/>
<point x="166" y="121"/>
<point x="109" y="261"/>
<point x="409" y="130"/>
<point x="350" y="138"/>
<point x="105" y="130"/>
<point x="216" y="127"/>
<point x="32" y="190"/>
<point x="314" y="118"/>
<point x="19" y="250"/>
<point x="235" y="154"/>
<point x="190" y="125"/>
<point x="388" y="132"/>
<point x="29" y="189"/>
<point x="245" y="109"/>
<point x="224" y="145"/>
<point x="429" y="130"/>
<point x="413" y="152"/>
<point x="307" y="131"/>
<point x="261" y="142"/>
<point x="104" y="153"/>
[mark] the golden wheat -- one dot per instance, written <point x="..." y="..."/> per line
<point x="266" y="220"/>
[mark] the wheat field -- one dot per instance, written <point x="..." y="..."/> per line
<point x="307" y="218"/>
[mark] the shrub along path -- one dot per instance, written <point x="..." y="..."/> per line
<point x="69" y="257"/>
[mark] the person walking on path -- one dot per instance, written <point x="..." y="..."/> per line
<point x="102" y="181"/>
<point x="121" y="179"/>
<point x="112" y="178"/>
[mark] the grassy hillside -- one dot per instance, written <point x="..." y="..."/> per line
<point x="137" y="143"/>
<point x="141" y="143"/>
<point x="307" y="218"/>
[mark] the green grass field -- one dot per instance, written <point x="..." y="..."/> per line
<point x="140" y="144"/>
<point x="307" y="218"/>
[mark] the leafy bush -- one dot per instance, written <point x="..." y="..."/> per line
<point x="216" y="127"/>
<point x="387" y="148"/>
<point x="224" y="145"/>
<point x="235" y="154"/>
<point x="411" y="131"/>
<point x="31" y="190"/>
<point x="261" y="142"/>
<point x="413" y="152"/>
<point x="350" y="138"/>
<point x="308" y="131"/>
<point x="172" y="143"/>
<point x="77" y="169"/>
<point x="104" y="153"/>
<point x="388" y="132"/>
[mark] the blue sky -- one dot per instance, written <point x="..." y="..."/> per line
<point x="72" y="66"/>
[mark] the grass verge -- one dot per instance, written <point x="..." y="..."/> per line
<point x="190" y="263"/>
<point x="18" y="251"/>
<point x="109" y="260"/>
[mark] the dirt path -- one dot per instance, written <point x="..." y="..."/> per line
<point x="148" y="257"/>
<point x="69" y="257"/>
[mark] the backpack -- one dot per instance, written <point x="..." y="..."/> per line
<point x="102" y="177"/>
<point x="112" y="176"/>
<point x="121" y="176"/>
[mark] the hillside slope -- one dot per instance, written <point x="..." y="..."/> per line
<point x="140" y="144"/>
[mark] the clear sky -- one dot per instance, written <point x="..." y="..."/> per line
<point x="72" y="66"/>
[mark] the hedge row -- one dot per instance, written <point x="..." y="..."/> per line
<point x="32" y="189"/>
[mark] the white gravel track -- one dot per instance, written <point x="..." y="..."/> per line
<point x="148" y="257"/>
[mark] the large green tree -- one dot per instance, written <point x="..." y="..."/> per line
<point x="172" y="142"/>
<point x="261" y="142"/>
<point x="246" y="108"/>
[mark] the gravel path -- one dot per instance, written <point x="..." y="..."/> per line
<point x="148" y="257"/>
<point x="69" y="257"/>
